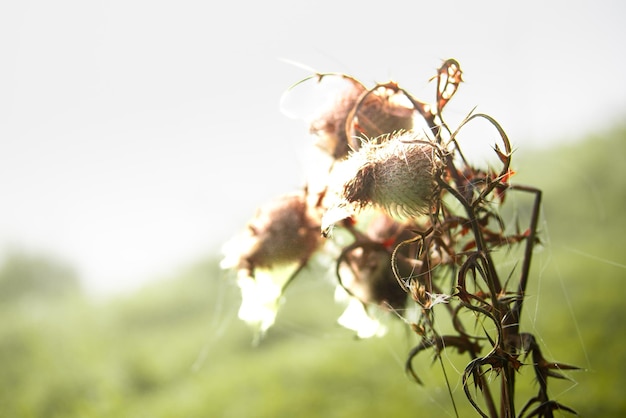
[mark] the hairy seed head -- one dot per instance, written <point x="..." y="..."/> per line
<point x="393" y="172"/>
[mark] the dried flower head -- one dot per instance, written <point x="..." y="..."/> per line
<point x="330" y="126"/>
<point x="394" y="172"/>
<point x="279" y="240"/>
<point x="366" y="274"/>
<point x="367" y="281"/>
<point x="380" y="111"/>
<point x="358" y="111"/>
<point x="284" y="231"/>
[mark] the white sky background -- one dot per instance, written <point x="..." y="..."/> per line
<point x="136" y="136"/>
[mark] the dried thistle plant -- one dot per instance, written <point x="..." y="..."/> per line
<point x="424" y="228"/>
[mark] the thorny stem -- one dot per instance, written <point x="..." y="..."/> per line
<point x="492" y="277"/>
<point x="532" y="236"/>
<point x="477" y="362"/>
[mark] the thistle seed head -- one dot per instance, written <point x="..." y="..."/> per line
<point x="394" y="172"/>
<point x="363" y="113"/>
<point x="330" y="126"/>
<point x="284" y="231"/>
<point x="382" y="112"/>
<point x="366" y="275"/>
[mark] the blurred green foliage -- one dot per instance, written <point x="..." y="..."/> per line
<point x="176" y="348"/>
<point x="30" y="276"/>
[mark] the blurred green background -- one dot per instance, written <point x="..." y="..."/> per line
<point x="176" y="348"/>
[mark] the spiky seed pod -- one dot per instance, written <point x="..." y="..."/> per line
<point x="284" y="231"/>
<point x="393" y="172"/>
<point x="397" y="175"/>
<point x="359" y="112"/>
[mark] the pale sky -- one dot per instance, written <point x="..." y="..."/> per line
<point x="136" y="136"/>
